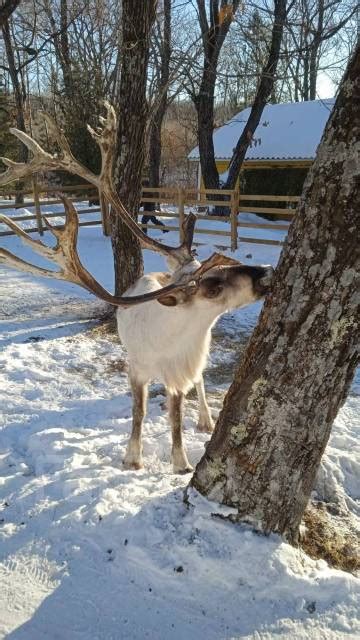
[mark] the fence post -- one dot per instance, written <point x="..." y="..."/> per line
<point x="233" y="219"/>
<point x="36" y="193"/>
<point x="105" y="215"/>
<point x="181" y="199"/>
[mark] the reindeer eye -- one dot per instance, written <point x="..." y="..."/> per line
<point x="212" y="287"/>
<point x="212" y="293"/>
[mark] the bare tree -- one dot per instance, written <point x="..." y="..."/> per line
<point x="262" y="95"/>
<point x="242" y="59"/>
<point x="19" y="89"/>
<point x="297" y="369"/>
<point x="162" y="66"/>
<point x="214" y="34"/>
<point x="175" y="47"/>
<point x="214" y="26"/>
<point x="137" y="20"/>
<point x="312" y="44"/>
<point x="84" y="45"/>
<point x="34" y="34"/>
<point x="7" y="7"/>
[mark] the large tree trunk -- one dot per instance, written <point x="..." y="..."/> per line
<point x="137" y="19"/>
<point x="296" y="372"/>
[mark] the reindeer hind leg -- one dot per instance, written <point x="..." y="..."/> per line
<point x="133" y="456"/>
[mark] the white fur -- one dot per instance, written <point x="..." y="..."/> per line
<point x="168" y="344"/>
<point x="171" y="344"/>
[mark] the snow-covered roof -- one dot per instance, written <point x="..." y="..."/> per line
<point x="288" y="131"/>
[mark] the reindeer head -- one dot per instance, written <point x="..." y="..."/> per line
<point x="235" y="286"/>
<point x="223" y="287"/>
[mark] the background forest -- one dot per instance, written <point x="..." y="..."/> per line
<point x="65" y="56"/>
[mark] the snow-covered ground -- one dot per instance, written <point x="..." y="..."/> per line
<point x="90" y="551"/>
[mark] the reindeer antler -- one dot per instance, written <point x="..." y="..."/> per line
<point x="65" y="256"/>
<point x="105" y="138"/>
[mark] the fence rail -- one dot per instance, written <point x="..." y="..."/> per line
<point x="230" y="205"/>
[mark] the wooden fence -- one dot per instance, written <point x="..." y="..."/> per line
<point x="230" y="202"/>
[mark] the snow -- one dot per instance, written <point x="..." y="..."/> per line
<point x="91" y="551"/>
<point x="286" y="131"/>
<point x="28" y="210"/>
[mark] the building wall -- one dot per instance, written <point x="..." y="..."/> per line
<point x="269" y="181"/>
<point x="279" y="182"/>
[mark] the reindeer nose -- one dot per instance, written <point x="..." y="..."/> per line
<point x="264" y="282"/>
<point x="268" y="274"/>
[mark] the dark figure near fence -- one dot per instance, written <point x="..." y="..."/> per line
<point x="150" y="217"/>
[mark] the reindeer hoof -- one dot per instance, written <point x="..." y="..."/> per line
<point x="183" y="471"/>
<point x="205" y="427"/>
<point x="180" y="463"/>
<point x="132" y="466"/>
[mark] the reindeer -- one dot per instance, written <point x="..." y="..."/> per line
<point x="184" y="302"/>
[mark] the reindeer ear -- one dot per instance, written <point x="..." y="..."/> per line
<point x="178" y="297"/>
<point x="168" y="301"/>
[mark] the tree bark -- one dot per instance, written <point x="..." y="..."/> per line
<point x="137" y="19"/>
<point x="299" y="364"/>
<point x="205" y="112"/>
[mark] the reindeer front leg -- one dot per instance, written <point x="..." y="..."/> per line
<point x="133" y="456"/>
<point x="178" y="455"/>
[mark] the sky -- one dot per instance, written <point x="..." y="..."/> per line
<point x="325" y="87"/>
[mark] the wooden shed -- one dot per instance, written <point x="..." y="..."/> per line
<point x="283" y="147"/>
